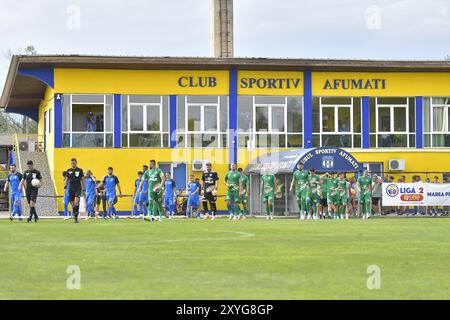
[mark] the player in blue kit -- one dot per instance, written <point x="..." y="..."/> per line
<point x="111" y="182"/>
<point x="66" y="199"/>
<point x="193" y="189"/>
<point x="137" y="208"/>
<point x="169" y="196"/>
<point x="13" y="184"/>
<point x="143" y="194"/>
<point x="91" y="191"/>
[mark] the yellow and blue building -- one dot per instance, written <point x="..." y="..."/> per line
<point x="179" y="110"/>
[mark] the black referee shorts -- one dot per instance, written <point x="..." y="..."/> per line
<point x="31" y="194"/>
<point x="208" y="196"/>
<point x="74" y="193"/>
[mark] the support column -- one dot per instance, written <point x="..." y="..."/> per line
<point x="419" y="124"/>
<point x="58" y="120"/>
<point x="117" y="121"/>
<point x="365" y="126"/>
<point x="173" y="121"/>
<point x="232" y="117"/>
<point x="307" y="110"/>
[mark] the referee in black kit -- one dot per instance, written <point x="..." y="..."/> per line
<point x="31" y="190"/>
<point x="75" y="179"/>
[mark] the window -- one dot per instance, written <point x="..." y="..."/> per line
<point x="202" y="121"/>
<point x="392" y="122"/>
<point x="436" y="122"/>
<point x="145" y="121"/>
<point x="337" y="122"/>
<point x="50" y="111"/>
<point x="87" y="120"/>
<point x="275" y="122"/>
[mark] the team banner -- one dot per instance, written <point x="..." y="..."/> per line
<point x="416" y="194"/>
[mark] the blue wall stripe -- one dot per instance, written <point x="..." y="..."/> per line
<point x="117" y="120"/>
<point x="419" y="127"/>
<point x="173" y="120"/>
<point x="365" y="112"/>
<point x="45" y="75"/>
<point x="307" y="110"/>
<point x="58" y="120"/>
<point x="232" y="116"/>
<point x="31" y="112"/>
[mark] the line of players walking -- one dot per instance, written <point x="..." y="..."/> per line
<point x="155" y="194"/>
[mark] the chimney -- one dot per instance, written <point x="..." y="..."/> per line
<point x="222" y="28"/>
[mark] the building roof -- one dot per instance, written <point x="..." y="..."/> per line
<point x="21" y="91"/>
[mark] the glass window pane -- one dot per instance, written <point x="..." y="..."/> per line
<point x="328" y="119"/>
<point x="166" y="112"/>
<point x="153" y="122"/>
<point x="87" y="118"/>
<point x="384" y="119"/>
<point x="400" y="119"/>
<point x="412" y="115"/>
<point x="448" y="119"/>
<point x="412" y="140"/>
<point x="109" y="140"/>
<point x="337" y="100"/>
<point x="224" y="140"/>
<point x="88" y="98"/>
<point x="337" y="140"/>
<point x="277" y="119"/>
<point x="392" y="140"/>
<point x="441" y="140"/>
<point x="245" y="113"/>
<point x="90" y="139"/>
<point x="124" y="113"/>
<point x="392" y="100"/>
<point x="210" y="141"/>
<point x="194" y="118"/>
<point x="262" y="119"/>
<point x="441" y="100"/>
<point x="203" y="99"/>
<point x="181" y="113"/>
<point x="109" y="114"/>
<point x="270" y="100"/>
<point x="243" y="140"/>
<point x="426" y="115"/>
<point x="294" y="115"/>
<point x="210" y="118"/>
<point x="316" y="140"/>
<point x="357" y="115"/>
<point x="316" y="115"/>
<point x="145" y="140"/>
<point x="438" y="119"/>
<point x="223" y="114"/>
<point x="181" y="141"/>
<point x="372" y="115"/>
<point x="194" y="140"/>
<point x="136" y="118"/>
<point x="426" y="140"/>
<point x="357" y="141"/>
<point x="143" y="99"/>
<point x="66" y="140"/>
<point x="125" y="140"/>
<point x="373" y="140"/>
<point x="344" y="119"/>
<point x="294" y="140"/>
<point x="66" y="113"/>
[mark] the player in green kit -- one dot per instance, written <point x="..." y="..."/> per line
<point x="333" y="196"/>
<point x="301" y="188"/>
<point x="243" y="196"/>
<point x="313" y="195"/>
<point x="267" y="192"/>
<point x="365" y="195"/>
<point x="342" y="190"/>
<point x="323" y="193"/>
<point x="155" y="178"/>
<point x="233" y="182"/>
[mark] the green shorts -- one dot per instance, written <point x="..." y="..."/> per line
<point x="243" y="199"/>
<point x="333" y="199"/>
<point x="365" y="197"/>
<point x="155" y="196"/>
<point x="314" y="198"/>
<point x="232" y="196"/>
<point x="268" y="197"/>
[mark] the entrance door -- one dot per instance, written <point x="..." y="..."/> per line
<point x="179" y="174"/>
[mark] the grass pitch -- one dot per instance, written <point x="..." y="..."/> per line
<point x="252" y="259"/>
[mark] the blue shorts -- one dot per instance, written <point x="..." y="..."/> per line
<point x="16" y="202"/>
<point x="137" y="198"/>
<point x="66" y="198"/>
<point x="193" y="201"/>
<point x="143" y="197"/>
<point x="111" y="198"/>
<point x="168" y="201"/>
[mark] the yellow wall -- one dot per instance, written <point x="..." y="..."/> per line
<point x="127" y="162"/>
<point x="47" y="104"/>
<point x="396" y="84"/>
<point x="160" y="82"/>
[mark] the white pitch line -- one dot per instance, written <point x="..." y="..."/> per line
<point x="240" y="235"/>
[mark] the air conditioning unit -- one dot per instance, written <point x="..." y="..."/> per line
<point x="199" y="165"/>
<point x="23" y="146"/>
<point x="397" y="164"/>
